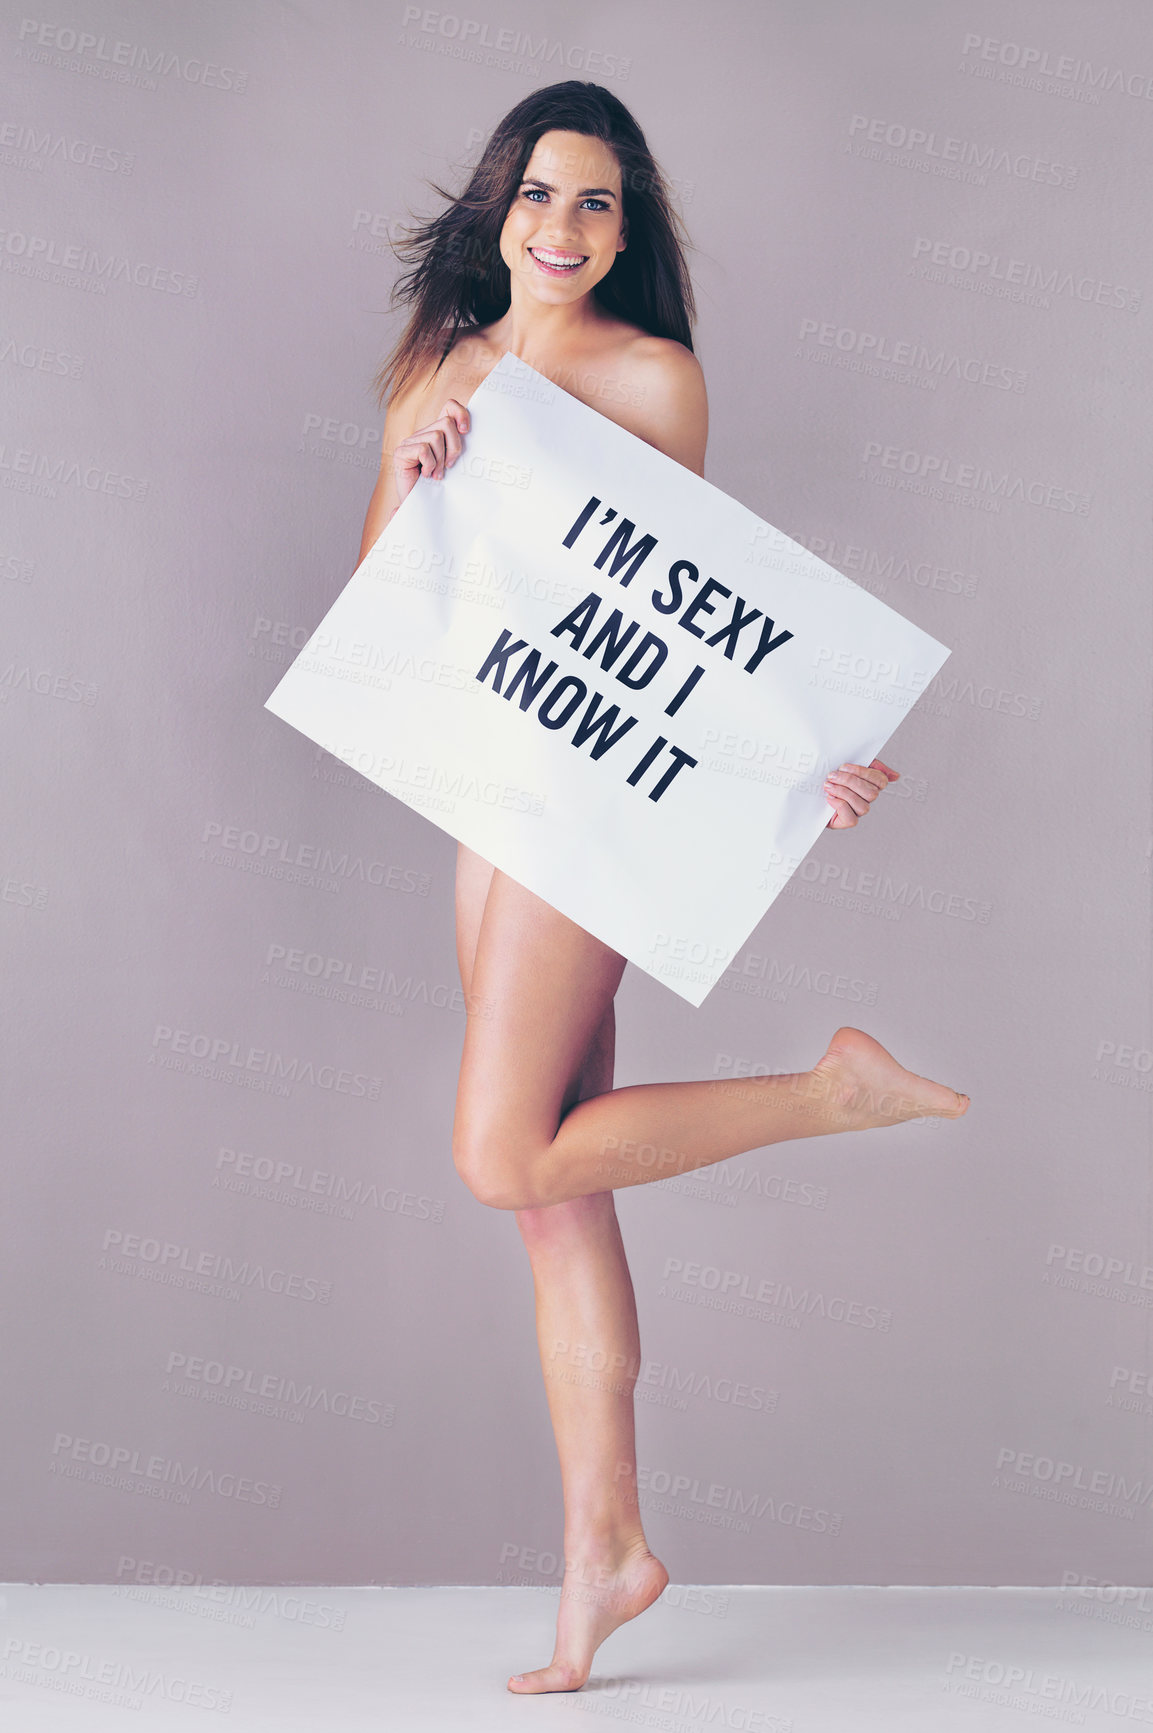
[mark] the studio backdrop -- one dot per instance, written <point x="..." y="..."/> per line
<point x="258" y="1330"/>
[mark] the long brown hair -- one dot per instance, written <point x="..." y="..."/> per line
<point x="458" y="280"/>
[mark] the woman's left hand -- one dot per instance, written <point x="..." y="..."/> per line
<point x="852" y="789"/>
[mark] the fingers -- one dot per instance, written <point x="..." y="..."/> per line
<point x="844" y="818"/>
<point x="432" y="450"/>
<point x="458" y="414"/>
<point x="451" y="426"/>
<point x="852" y="789"/>
<point x="422" y="452"/>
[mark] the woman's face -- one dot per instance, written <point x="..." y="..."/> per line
<point x="564" y="226"/>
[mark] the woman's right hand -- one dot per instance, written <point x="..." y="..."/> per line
<point x="430" y="450"/>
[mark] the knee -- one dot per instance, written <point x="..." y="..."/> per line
<point x="496" y="1180"/>
<point x="559" y="1228"/>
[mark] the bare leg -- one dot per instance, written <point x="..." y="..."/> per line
<point x="590" y="1354"/>
<point x="519" y="1140"/>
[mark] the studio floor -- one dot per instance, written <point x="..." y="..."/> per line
<point x="764" y="1660"/>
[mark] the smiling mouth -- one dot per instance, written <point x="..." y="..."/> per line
<point x="558" y="264"/>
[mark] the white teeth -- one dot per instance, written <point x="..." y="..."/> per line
<point x="561" y="260"/>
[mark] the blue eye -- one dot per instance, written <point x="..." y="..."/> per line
<point x="535" y="193"/>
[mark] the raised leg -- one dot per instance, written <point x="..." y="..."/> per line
<point x="590" y="1354"/>
<point x="520" y="1140"/>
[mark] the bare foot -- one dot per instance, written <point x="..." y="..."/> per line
<point x="594" y="1600"/>
<point x="858" y="1085"/>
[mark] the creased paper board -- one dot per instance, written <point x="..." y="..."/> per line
<point x="649" y="760"/>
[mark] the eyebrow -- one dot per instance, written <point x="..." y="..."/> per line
<point x="533" y="181"/>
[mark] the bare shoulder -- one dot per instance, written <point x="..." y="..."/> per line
<point x="429" y="389"/>
<point x="401" y="417"/>
<point x="670" y="406"/>
<point x="663" y="355"/>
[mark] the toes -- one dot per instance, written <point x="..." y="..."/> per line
<point x="526" y="1682"/>
<point x="545" y="1679"/>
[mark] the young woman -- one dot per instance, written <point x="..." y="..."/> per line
<point x="563" y="250"/>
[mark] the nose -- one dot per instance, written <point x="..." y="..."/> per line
<point x="563" y="237"/>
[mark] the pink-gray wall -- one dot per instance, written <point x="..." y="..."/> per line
<point x="236" y="1244"/>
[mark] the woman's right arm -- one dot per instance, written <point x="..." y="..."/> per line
<point x="407" y="454"/>
<point x="385" y="497"/>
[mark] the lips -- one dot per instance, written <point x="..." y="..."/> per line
<point x="557" y="264"/>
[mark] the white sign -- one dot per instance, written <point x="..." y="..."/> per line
<point x="606" y="677"/>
